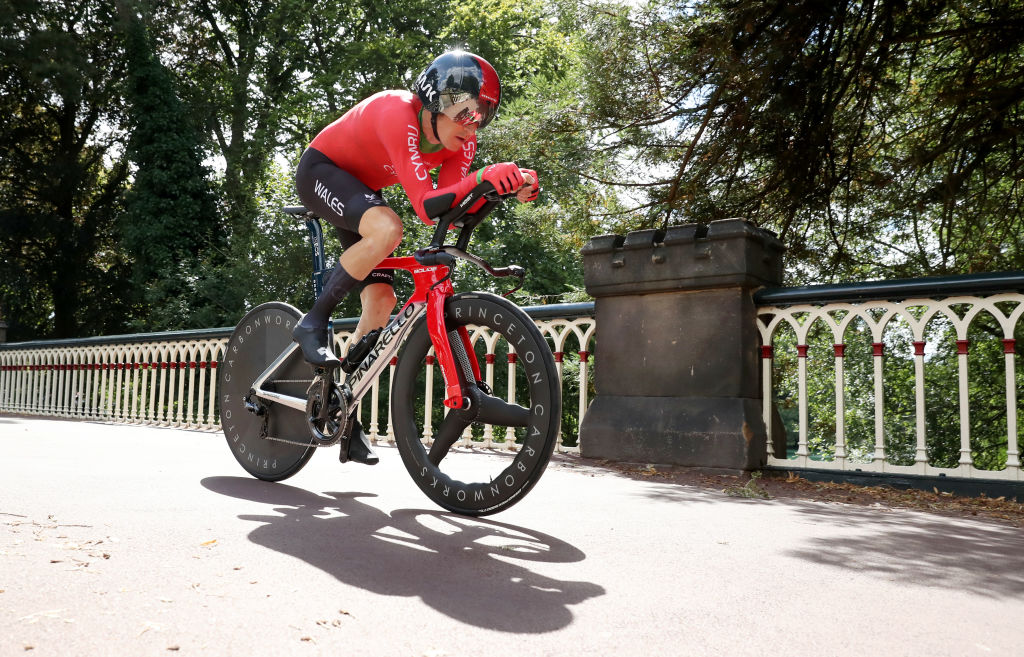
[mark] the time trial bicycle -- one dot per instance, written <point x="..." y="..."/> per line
<point x="274" y="414"/>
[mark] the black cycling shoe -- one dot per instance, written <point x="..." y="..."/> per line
<point x="359" y="448"/>
<point x="313" y="342"/>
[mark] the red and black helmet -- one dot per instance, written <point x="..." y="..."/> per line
<point x="462" y="86"/>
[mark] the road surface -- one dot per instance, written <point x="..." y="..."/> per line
<point x="121" y="540"/>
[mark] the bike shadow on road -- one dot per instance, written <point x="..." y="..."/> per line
<point x="470" y="569"/>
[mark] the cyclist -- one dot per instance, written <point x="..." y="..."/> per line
<point x="395" y="137"/>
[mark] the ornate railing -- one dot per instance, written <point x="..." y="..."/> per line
<point x="910" y="377"/>
<point x="170" y="379"/>
<point x="904" y="377"/>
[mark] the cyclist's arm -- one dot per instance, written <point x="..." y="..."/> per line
<point x="506" y="177"/>
<point x="459" y="166"/>
<point x="442" y="198"/>
<point x="401" y="140"/>
<point x="454" y="171"/>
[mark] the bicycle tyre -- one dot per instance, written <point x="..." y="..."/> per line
<point x="257" y="341"/>
<point x="505" y="481"/>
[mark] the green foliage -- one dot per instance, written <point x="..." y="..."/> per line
<point x="877" y="139"/>
<point x="244" y="86"/>
<point x="749" y="490"/>
<point x="170" y="224"/>
<point x="62" y="271"/>
<point x="277" y="266"/>
<point x="850" y="128"/>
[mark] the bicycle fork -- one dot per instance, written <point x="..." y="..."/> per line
<point x="433" y="289"/>
<point x="451" y="367"/>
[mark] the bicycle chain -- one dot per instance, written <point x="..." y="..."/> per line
<point x="265" y="432"/>
<point x="290" y="442"/>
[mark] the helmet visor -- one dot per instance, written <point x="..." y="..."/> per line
<point x="471" y="111"/>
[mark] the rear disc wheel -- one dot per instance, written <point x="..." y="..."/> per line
<point x="262" y="335"/>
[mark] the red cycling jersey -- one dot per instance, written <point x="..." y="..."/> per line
<point x="378" y="142"/>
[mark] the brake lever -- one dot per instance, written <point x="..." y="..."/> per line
<point x="512" y="270"/>
<point x="518" y="272"/>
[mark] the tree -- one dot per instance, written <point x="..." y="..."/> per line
<point x="61" y="274"/>
<point x="850" y="128"/>
<point x="325" y="66"/>
<point x="266" y="76"/>
<point x="170" y="224"/>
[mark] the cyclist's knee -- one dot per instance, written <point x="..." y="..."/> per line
<point x="392" y="236"/>
<point x="382" y="226"/>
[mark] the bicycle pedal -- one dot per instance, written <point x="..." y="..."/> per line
<point x="321" y="372"/>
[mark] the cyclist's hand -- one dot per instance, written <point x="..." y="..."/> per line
<point x="531" y="187"/>
<point x="506" y="177"/>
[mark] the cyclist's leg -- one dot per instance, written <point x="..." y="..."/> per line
<point x="376" y="292"/>
<point x="369" y="231"/>
<point x="380" y="228"/>
<point x="378" y="300"/>
<point x="348" y="204"/>
<point x="377" y="297"/>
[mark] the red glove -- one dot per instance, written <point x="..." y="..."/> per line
<point x="506" y="177"/>
<point x="534" y="186"/>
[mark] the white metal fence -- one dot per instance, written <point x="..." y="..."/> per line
<point x="924" y="386"/>
<point x="171" y="379"/>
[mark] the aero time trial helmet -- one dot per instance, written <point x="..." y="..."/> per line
<point x="462" y="86"/>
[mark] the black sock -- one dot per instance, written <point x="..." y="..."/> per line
<point x="335" y="289"/>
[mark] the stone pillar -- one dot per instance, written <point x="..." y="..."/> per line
<point x="678" y="376"/>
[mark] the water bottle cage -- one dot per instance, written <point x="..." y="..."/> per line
<point x="359" y="350"/>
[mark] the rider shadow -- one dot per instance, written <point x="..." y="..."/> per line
<point x="469" y="569"/>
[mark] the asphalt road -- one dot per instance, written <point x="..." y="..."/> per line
<point x="118" y="540"/>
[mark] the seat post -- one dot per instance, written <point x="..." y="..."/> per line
<point x="316" y="242"/>
<point x="320" y="269"/>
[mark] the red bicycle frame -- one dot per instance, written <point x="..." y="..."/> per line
<point x="433" y="285"/>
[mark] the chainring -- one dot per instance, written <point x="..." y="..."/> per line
<point x="330" y="429"/>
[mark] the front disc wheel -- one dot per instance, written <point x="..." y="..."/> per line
<point x="485" y="458"/>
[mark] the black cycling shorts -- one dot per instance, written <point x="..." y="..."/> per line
<point x="339" y="197"/>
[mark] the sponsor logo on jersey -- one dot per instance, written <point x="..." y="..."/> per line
<point x="422" y="173"/>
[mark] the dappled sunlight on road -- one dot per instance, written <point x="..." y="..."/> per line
<point x="977" y="556"/>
